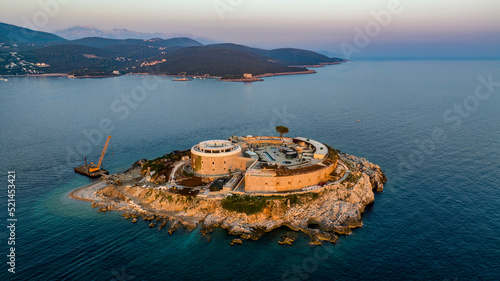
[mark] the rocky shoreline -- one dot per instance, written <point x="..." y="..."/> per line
<point x="321" y="214"/>
<point x="257" y="77"/>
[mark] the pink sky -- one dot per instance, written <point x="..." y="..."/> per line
<point x="415" y="28"/>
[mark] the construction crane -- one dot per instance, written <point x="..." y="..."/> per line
<point x="94" y="170"/>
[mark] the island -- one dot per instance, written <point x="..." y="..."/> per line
<point x="46" y="54"/>
<point x="248" y="185"/>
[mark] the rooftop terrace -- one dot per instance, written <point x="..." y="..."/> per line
<point x="215" y="146"/>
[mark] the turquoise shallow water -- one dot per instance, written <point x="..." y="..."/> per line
<point x="436" y="219"/>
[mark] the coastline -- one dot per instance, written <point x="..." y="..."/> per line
<point x="60" y="75"/>
<point x="259" y="77"/>
<point x="171" y="75"/>
<point x="322" y="214"/>
<point x="86" y="193"/>
<point x="38" y="75"/>
<point x="254" y="79"/>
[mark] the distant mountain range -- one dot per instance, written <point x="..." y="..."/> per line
<point x="79" y="32"/>
<point x="24" y="51"/>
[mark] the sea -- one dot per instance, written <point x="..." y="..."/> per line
<point x="432" y="126"/>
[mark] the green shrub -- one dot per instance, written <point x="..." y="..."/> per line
<point x="332" y="153"/>
<point x="244" y="204"/>
<point x="352" y="178"/>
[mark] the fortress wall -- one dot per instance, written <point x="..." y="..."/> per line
<point x="207" y="165"/>
<point x="219" y="165"/>
<point x="265" y="138"/>
<point x="258" y="183"/>
<point x="214" y="164"/>
<point x="260" y="143"/>
<point x="253" y="142"/>
<point x="244" y="162"/>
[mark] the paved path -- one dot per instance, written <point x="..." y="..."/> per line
<point x="174" y="170"/>
<point x="347" y="173"/>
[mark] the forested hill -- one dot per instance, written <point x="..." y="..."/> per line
<point x="25" y="51"/>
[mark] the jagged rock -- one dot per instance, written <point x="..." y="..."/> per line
<point x="342" y="229"/>
<point x="236" y="241"/>
<point x="134" y="220"/>
<point x="258" y="232"/>
<point x="153" y="224"/>
<point x="163" y="223"/>
<point x="212" y="220"/>
<point x="315" y="242"/>
<point x="246" y="236"/>
<point x="103" y="209"/>
<point x="335" y="210"/>
<point x="112" y="193"/>
<point x="377" y="177"/>
<point x="173" y="226"/>
<point x="126" y="216"/>
<point x="148" y="217"/>
<point x="323" y="236"/>
<point x="190" y="227"/>
<point x="287" y="239"/>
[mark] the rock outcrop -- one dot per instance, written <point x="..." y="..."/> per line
<point x="236" y="241"/>
<point x="287" y="239"/>
<point x="377" y="178"/>
<point x="322" y="214"/>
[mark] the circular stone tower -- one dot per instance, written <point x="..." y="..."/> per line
<point x="215" y="157"/>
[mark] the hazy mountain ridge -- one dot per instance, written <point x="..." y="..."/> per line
<point x="99" y="42"/>
<point x="79" y="32"/>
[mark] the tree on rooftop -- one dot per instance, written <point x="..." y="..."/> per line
<point x="281" y="130"/>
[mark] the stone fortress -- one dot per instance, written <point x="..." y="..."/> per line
<point x="247" y="185"/>
<point x="263" y="164"/>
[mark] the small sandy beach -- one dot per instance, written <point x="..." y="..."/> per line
<point x="87" y="193"/>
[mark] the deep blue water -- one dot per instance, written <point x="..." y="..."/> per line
<point x="436" y="219"/>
